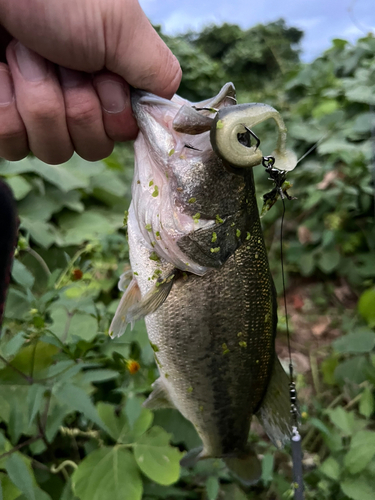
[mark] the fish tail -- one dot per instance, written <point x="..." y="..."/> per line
<point x="245" y="466"/>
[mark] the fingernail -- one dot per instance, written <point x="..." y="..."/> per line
<point x="71" y="78"/>
<point x="32" y="66"/>
<point x="6" y="88"/>
<point x="112" y="95"/>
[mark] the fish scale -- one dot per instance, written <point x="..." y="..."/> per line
<point x="202" y="314"/>
<point x="202" y="280"/>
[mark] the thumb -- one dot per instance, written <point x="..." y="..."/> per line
<point x="137" y="53"/>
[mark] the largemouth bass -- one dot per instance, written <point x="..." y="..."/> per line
<point x="200" y="273"/>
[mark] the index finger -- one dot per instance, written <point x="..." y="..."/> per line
<point x="138" y="54"/>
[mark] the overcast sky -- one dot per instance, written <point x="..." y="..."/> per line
<point x="321" y="20"/>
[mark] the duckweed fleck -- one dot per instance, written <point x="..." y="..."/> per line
<point x="126" y="215"/>
<point x="219" y="219"/>
<point x="154" y="347"/>
<point x="190" y="390"/>
<point x="248" y="236"/>
<point x="219" y="124"/>
<point x="215" y="250"/>
<point x="171" y="152"/>
<point x="242" y="343"/>
<point x="192" y="200"/>
<point x="151" y="183"/>
<point x="148" y="227"/>
<point x="238" y="233"/>
<point x="214" y="237"/>
<point x="156" y="192"/>
<point x="196" y="217"/>
<point x="225" y="348"/>
<point x="154" y="256"/>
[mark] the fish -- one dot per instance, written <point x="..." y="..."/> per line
<point x="200" y="275"/>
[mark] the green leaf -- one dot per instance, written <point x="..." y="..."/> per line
<point x="363" y="123"/>
<point x="306" y="263"/>
<point x="17" y="304"/>
<point x="361" y="340"/>
<point x="12" y="347"/>
<point x="67" y="493"/>
<point x="366" y="306"/>
<point x="342" y="419"/>
<point x="118" y="426"/>
<point x="41" y="232"/>
<point x="19" y="186"/>
<point x="331" y="468"/>
<point x="59" y="175"/>
<point x="156" y="458"/>
<point x="20" y="475"/>
<point x="366" y="403"/>
<point x="78" y="400"/>
<point x="71" y="328"/>
<point x="329" y="261"/>
<point x="108" y="473"/>
<point x="358" y="488"/>
<point x="35" y="398"/>
<point x="88" y="225"/>
<point x="233" y="492"/>
<point x="362" y="450"/>
<point x="354" y="370"/>
<point x="8" y="491"/>
<point x="267" y="468"/>
<point x="22" y="275"/>
<point x="212" y="487"/>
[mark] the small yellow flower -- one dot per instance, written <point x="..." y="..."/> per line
<point x="133" y="366"/>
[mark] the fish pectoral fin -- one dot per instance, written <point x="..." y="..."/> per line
<point x="159" y="397"/>
<point x="152" y="300"/>
<point x="121" y="320"/>
<point x="245" y="466"/>
<point x="274" y="412"/>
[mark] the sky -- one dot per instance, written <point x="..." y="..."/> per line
<point x="321" y="20"/>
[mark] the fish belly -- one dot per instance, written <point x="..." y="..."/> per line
<point x="214" y="340"/>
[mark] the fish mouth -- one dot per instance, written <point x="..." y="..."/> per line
<point x="171" y="125"/>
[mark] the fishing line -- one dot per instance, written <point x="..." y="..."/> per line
<point x="296" y="446"/>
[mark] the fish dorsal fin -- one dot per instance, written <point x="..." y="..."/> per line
<point x="152" y="300"/>
<point x="159" y="397"/>
<point x="131" y="296"/>
<point x="274" y="412"/>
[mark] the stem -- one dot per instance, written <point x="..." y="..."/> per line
<point x="21" y="445"/>
<point x="33" y="360"/>
<point x="26" y="377"/>
<point x="70" y="266"/>
<point x="67" y="326"/>
<point x="56" y="470"/>
<point x="40" y="259"/>
<point x="315" y="373"/>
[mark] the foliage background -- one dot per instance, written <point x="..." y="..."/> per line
<point x="71" y="422"/>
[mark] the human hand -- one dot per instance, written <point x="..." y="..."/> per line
<point x="83" y="104"/>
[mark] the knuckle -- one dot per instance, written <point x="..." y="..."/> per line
<point x="11" y="133"/>
<point x="44" y="110"/>
<point x="83" y="113"/>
